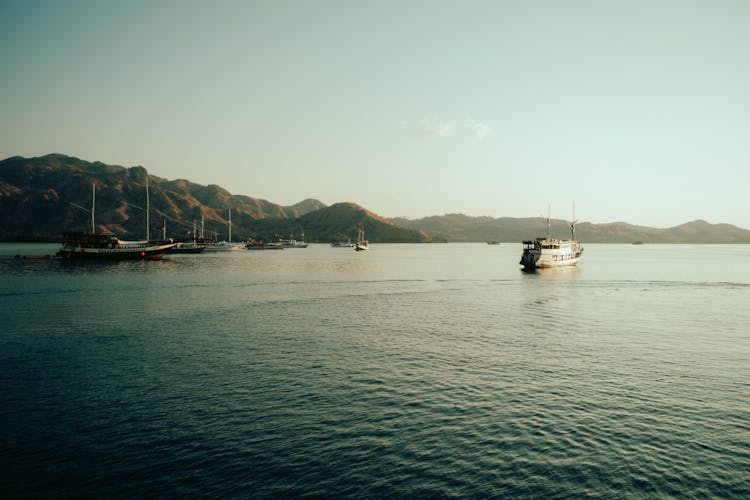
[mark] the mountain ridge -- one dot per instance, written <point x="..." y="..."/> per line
<point x="37" y="197"/>
<point x="40" y="197"/>
<point x="464" y="228"/>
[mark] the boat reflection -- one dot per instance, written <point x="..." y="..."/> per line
<point x="556" y="272"/>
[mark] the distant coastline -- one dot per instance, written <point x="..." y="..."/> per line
<point x="37" y="197"/>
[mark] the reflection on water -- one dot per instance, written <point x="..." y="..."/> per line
<point x="567" y="272"/>
<point x="409" y="370"/>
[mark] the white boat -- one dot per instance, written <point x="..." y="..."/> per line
<point x="292" y="243"/>
<point x="224" y="246"/>
<point x="552" y="252"/>
<point x="362" y="243"/>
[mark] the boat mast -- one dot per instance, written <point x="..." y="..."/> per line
<point x="203" y="221"/>
<point x="164" y="230"/>
<point x="93" y="207"/>
<point x="230" y="225"/>
<point x="548" y="212"/>
<point x="573" y="223"/>
<point x="147" y="210"/>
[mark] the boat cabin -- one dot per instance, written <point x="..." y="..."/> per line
<point x="98" y="240"/>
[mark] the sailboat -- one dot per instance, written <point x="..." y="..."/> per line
<point x="224" y="246"/>
<point x="93" y="245"/>
<point x="188" y="246"/>
<point x="552" y="252"/>
<point x="293" y="243"/>
<point x="362" y="243"/>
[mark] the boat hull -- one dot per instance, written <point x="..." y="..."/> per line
<point x="187" y="249"/>
<point x="222" y="248"/>
<point x="550" y="253"/>
<point x="543" y="261"/>
<point x="264" y="247"/>
<point x="138" y="253"/>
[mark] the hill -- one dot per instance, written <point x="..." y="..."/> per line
<point x="459" y="227"/>
<point x="38" y="198"/>
<point x="341" y="220"/>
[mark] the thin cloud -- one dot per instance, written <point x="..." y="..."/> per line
<point x="481" y="130"/>
<point x="436" y="129"/>
<point x="451" y="129"/>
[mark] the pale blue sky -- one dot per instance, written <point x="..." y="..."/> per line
<point x="637" y="110"/>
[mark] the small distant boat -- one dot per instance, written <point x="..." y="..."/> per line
<point x="223" y="246"/>
<point x="637" y="243"/>
<point x="552" y="252"/>
<point x="80" y="245"/>
<point x="293" y="243"/>
<point x="362" y="243"/>
<point x="262" y="245"/>
<point x="187" y="247"/>
<point x="493" y="242"/>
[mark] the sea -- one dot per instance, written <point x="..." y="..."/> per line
<point x="409" y="370"/>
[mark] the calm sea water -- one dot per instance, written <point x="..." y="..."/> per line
<point x="408" y="370"/>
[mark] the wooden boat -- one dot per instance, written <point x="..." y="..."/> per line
<point x="105" y="246"/>
<point x="98" y="246"/>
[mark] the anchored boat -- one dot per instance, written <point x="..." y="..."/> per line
<point x="552" y="252"/>
<point x="80" y="245"/>
<point x="93" y="245"/>
<point x="362" y="243"/>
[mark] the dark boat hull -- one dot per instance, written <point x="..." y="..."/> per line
<point x="99" y="246"/>
<point x="112" y="254"/>
<point x="186" y="250"/>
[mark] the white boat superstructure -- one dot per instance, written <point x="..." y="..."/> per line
<point x="362" y="243"/>
<point x="222" y="246"/>
<point x="552" y="252"/>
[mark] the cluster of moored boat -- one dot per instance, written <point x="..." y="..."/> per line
<point x="82" y="245"/>
<point x="93" y="245"/>
<point x="540" y="253"/>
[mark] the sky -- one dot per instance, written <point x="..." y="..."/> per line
<point x="637" y="111"/>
